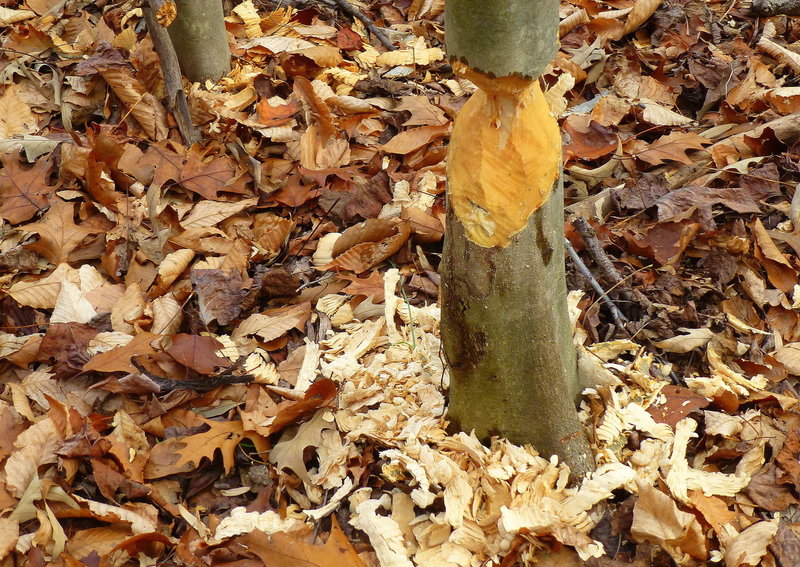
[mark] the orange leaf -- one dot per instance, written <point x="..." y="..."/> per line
<point x="282" y="550"/>
<point x="269" y="115"/>
<point x="780" y="272"/>
<point x="367" y="244"/>
<point x="319" y="394"/>
<point x="119" y="359"/>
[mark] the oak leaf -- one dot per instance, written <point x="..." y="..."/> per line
<point x="423" y="113"/>
<point x="23" y="192"/>
<point x="288" y="452"/>
<point x="58" y="233"/>
<point x="673" y="147"/>
<point x="183" y="454"/>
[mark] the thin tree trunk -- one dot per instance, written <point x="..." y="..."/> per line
<point x="200" y="40"/>
<point x="505" y="326"/>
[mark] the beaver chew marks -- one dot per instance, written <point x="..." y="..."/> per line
<point x="504" y="158"/>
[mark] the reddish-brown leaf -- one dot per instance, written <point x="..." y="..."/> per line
<point x="23" y="192"/>
<point x="197" y="352"/>
<point x="319" y="394"/>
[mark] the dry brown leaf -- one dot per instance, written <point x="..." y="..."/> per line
<point x="58" y="233"/>
<point x="367" y="244"/>
<point x="673" y="147"/>
<point x="15" y="116"/>
<point x="780" y="272"/>
<point x="23" y="192"/>
<point x="409" y="140"/>
<point x="642" y="10"/>
<point x="142" y="105"/>
<point x="35" y="447"/>
<point x="119" y="359"/>
<point x="273" y="323"/>
<point x="128" y="310"/>
<point x="288" y="452"/>
<point x="9" y="533"/>
<point x="42" y="293"/>
<point x="183" y="454"/>
<point x="210" y="213"/>
<point x="283" y="550"/>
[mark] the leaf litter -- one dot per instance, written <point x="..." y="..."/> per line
<point x="208" y="356"/>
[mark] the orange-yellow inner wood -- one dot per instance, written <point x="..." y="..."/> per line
<point x="504" y="158"/>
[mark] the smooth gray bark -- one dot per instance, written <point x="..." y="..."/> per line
<point x="503" y="37"/>
<point x="505" y="327"/>
<point x="200" y="40"/>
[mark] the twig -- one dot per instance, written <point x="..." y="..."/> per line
<point x="176" y="97"/>
<point x="619" y="318"/>
<point x="358" y="14"/>
<point x="204" y="385"/>
<point x="603" y="262"/>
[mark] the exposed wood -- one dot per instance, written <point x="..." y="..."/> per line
<point x="506" y="333"/>
<point x="507" y="338"/>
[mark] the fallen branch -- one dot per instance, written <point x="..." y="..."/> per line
<point x="203" y="385"/>
<point x="775" y="7"/>
<point x="170" y="68"/>
<point x="364" y="19"/>
<point x="616" y="314"/>
<point x="604" y="263"/>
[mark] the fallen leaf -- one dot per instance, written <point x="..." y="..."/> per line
<point x="23" y="192"/>
<point x="282" y="550"/>
<point x="119" y="359"/>
<point x="415" y="138"/>
<point x="58" y="233"/>
<point x="288" y="452"/>
<point x="183" y="454"/>
<point x="197" y="352"/>
<point x="673" y="147"/>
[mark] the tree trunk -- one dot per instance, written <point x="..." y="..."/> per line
<point x="505" y="326"/>
<point x="200" y="40"/>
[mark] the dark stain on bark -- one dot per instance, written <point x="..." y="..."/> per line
<point x="541" y="240"/>
<point x="478" y="341"/>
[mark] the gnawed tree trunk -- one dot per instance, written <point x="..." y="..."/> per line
<point x="200" y="40"/>
<point x="505" y="325"/>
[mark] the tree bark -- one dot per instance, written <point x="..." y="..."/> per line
<point x="505" y="327"/>
<point x="200" y="40"/>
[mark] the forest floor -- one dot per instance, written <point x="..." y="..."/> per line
<point x="228" y="353"/>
